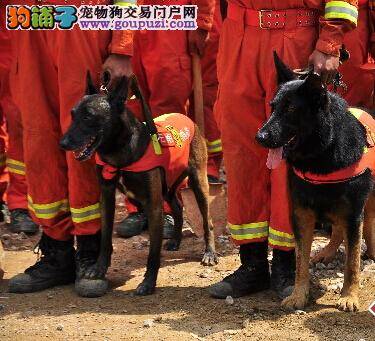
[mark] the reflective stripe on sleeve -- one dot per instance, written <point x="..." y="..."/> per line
<point x="341" y="10"/>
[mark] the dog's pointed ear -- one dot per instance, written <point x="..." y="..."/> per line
<point x="90" y="87"/>
<point x="119" y="93"/>
<point x="284" y="74"/>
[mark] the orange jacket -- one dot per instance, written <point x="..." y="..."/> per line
<point x="175" y="133"/>
<point x="367" y="160"/>
<point x="333" y="27"/>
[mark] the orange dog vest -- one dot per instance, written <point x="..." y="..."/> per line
<point x="367" y="160"/>
<point x="170" y="151"/>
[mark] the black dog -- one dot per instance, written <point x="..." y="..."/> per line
<point x="320" y="136"/>
<point x="103" y="124"/>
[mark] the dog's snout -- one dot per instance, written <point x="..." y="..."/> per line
<point x="262" y="136"/>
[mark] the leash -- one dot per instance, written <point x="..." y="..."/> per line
<point x="150" y="124"/>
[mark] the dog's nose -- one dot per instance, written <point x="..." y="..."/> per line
<point x="64" y="143"/>
<point x="262" y="136"/>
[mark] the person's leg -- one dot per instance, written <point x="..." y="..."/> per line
<point x="79" y="52"/>
<point x="240" y="111"/>
<point x="20" y="220"/>
<point x="45" y="162"/>
<point x="163" y="68"/>
<point x="294" y="48"/>
<point x="4" y="177"/>
<point x="210" y="87"/>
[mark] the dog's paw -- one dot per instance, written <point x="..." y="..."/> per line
<point x="295" y="301"/>
<point x="348" y="303"/>
<point x="145" y="288"/>
<point x="210" y="258"/>
<point x="172" y="245"/>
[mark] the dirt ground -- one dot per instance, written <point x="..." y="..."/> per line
<point x="181" y="308"/>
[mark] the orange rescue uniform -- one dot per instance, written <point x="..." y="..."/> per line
<point x="257" y="197"/>
<point x="360" y="80"/>
<point x="48" y="73"/>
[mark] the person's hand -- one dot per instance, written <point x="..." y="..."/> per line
<point x="114" y="68"/>
<point x="325" y="65"/>
<point x="197" y="41"/>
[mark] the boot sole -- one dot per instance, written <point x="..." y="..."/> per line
<point x="24" y="288"/>
<point x="91" y="287"/>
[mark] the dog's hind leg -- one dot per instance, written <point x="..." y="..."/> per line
<point x="174" y="243"/>
<point x="369" y="227"/>
<point x="199" y="183"/>
<point x="352" y="229"/>
<point x="154" y="211"/>
<point x="329" y="252"/>
<point x="303" y="227"/>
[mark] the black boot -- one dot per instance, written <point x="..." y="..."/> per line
<point x="283" y="271"/>
<point x="252" y="276"/>
<point x="55" y="267"/>
<point x="135" y="223"/>
<point x="20" y="221"/>
<point x="88" y="248"/>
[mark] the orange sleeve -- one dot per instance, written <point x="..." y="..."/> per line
<point x="339" y="17"/>
<point x="122" y="42"/>
<point x="205" y="15"/>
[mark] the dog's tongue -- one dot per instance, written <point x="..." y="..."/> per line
<point x="274" y="157"/>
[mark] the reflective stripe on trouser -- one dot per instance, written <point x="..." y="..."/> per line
<point x="254" y="232"/>
<point x="64" y="193"/>
<point x="50" y="214"/>
<point x="16" y="167"/>
<point x="255" y="194"/>
<point x="214" y="146"/>
<point x="341" y="10"/>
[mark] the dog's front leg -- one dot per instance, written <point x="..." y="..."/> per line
<point x="352" y="236"/>
<point x="107" y="203"/>
<point x="154" y="211"/>
<point x="303" y="226"/>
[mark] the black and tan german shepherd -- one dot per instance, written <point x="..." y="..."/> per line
<point x="320" y="136"/>
<point x="102" y="123"/>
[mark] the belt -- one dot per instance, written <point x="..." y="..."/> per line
<point x="274" y="19"/>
